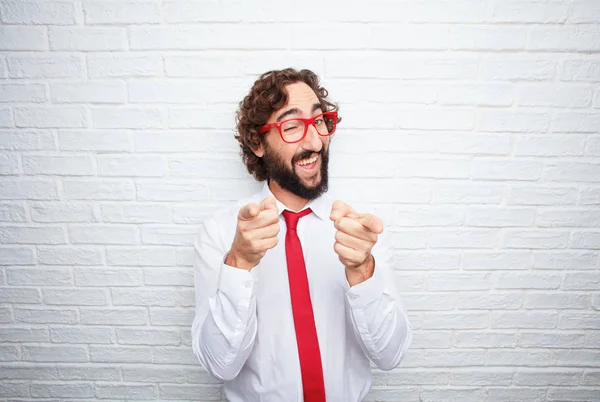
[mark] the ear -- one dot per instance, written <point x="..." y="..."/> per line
<point x="259" y="151"/>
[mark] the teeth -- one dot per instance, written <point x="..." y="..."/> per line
<point x="307" y="161"/>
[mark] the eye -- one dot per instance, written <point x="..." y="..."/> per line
<point x="319" y="120"/>
<point x="289" y="128"/>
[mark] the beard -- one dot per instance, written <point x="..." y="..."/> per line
<point x="287" y="178"/>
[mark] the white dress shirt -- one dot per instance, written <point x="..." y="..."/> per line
<point x="243" y="332"/>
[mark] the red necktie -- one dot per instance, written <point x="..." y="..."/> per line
<point x="304" y="321"/>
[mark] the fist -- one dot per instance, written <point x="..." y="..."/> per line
<point x="356" y="234"/>
<point x="256" y="232"/>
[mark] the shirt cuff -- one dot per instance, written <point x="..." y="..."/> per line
<point x="368" y="291"/>
<point x="238" y="284"/>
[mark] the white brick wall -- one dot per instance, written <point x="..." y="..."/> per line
<point x="471" y="126"/>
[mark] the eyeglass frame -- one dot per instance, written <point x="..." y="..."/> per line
<point x="307" y="122"/>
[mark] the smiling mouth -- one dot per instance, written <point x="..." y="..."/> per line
<point x="306" y="162"/>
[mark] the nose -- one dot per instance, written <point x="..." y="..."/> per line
<point x="312" y="140"/>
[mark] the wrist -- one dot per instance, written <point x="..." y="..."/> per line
<point x="362" y="272"/>
<point x="235" y="260"/>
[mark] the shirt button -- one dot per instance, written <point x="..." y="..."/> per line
<point x="248" y="284"/>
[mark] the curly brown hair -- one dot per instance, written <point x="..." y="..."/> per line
<point x="267" y="95"/>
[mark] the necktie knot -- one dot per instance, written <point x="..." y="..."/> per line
<point x="292" y="218"/>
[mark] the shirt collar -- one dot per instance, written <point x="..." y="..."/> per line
<point x="319" y="206"/>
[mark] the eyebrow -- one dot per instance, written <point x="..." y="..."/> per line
<point x="316" y="106"/>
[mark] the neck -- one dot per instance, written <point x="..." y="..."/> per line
<point x="290" y="200"/>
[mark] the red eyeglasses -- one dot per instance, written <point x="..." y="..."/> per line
<point x="294" y="130"/>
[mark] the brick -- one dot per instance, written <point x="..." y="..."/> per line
<point x="62" y="390"/>
<point x="421" y="167"/>
<point x="128" y="12"/>
<point x="486" y="339"/>
<point x="575" y="122"/>
<point x="23" y="93"/>
<point x="373" y="90"/>
<point x="14" y="390"/>
<point x="74" y="297"/>
<point x="581" y="70"/>
<point x="568" y="218"/>
<point x="564" y="260"/>
<point x="469" y="37"/>
<point x="89" y="92"/>
<point x="417" y="377"/>
<point x="23" y="38"/>
<point x="209" y="117"/>
<point x="64" y="212"/>
<point x="81" y="335"/>
<point x="551" y="340"/>
<point x="34" y="13"/>
<point x="95" y="140"/>
<point x="385" y="66"/>
<point x="574" y="38"/>
<point x="554" y="11"/>
<point x="198" y="375"/>
<point x="88" y="39"/>
<point x="184" y="141"/>
<point x="6" y="118"/>
<point x="123" y="391"/>
<point x="528" y="281"/>
<point x="172" y="191"/>
<point x="390" y="394"/>
<point x="102" y="277"/>
<point x="112" y="355"/>
<point x="36" y="65"/>
<point x="206" y="392"/>
<point x="535" y="239"/>
<point x="9" y="353"/>
<point x="6" y="315"/>
<point x="50" y="116"/>
<point x="99" y="189"/>
<point x="409" y="239"/>
<point x="489" y="94"/>
<point x="468" y="193"/>
<point x="589" y="195"/>
<point x="69" y="256"/>
<point x="517" y="67"/>
<point x="144" y="297"/>
<point x="135" y="213"/>
<point x="93" y="373"/>
<point x="20" y="296"/>
<point x="130" y="117"/>
<point x="168" y="277"/>
<point x="508" y="395"/>
<point x="433" y="301"/>
<point x="590" y="378"/>
<point x="131" y="166"/>
<point x="437" y="282"/>
<point x="147" y="337"/>
<point x="46" y="316"/>
<point x="493" y="376"/>
<point x="9" y="164"/>
<point x="571" y="171"/>
<point x="189" y="91"/>
<point x="593" y="146"/>
<point x="542" y="195"/>
<point x="31" y="235"/>
<point x="485" y="301"/>
<point x="555" y="95"/>
<point x="171" y="355"/>
<point x="103" y="234"/>
<point x="206" y="167"/>
<point x="203" y="66"/>
<point x="26" y="140"/>
<point x="572" y="394"/>
<point x="581" y="281"/>
<point x="58" y="165"/>
<point x="169" y="235"/>
<point x="171" y="316"/>
<point x="380" y="36"/>
<point x="215" y="36"/>
<point x="49" y="354"/>
<point x="571" y="320"/>
<point x="436" y="119"/>
<point x="550" y="145"/>
<point x="500" y="217"/>
<point x="507" y="121"/>
<point x="193" y="214"/>
<point x="444" y="358"/>
<point x="17" y="334"/>
<point x="17" y="256"/>
<point x="141" y="256"/>
<point x="185" y="256"/>
<point x="482" y="238"/>
<point x="428" y="216"/>
<point x="584" y="11"/>
<point x="108" y="316"/>
<point x="123" y="65"/>
<point x="155" y="374"/>
<point x="12" y="372"/>
<point x="513" y="319"/>
<point x="232" y="190"/>
<point x="490" y="260"/>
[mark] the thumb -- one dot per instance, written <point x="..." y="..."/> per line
<point x="372" y="223"/>
<point x="269" y="203"/>
<point x="339" y="209"/>
<point x="248" y="212"/>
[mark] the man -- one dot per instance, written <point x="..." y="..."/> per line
<point x="295" y="293"/>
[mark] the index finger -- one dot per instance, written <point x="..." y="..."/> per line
<point x="371" y="222"/>
<point x="339" y="209"/>
<point x="248" y="212"/>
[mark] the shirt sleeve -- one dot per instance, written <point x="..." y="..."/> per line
<point x="377" y="313"/>
<point x="224" y="326"/>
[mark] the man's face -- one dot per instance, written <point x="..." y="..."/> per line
<point x="301" y="167"/>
